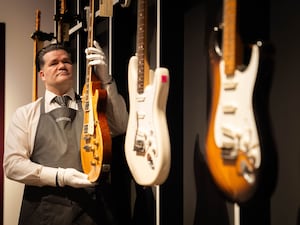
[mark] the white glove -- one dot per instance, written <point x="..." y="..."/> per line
<point x="96" y="57"/>
<point x="73" y="178"/>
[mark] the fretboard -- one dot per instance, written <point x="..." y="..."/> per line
<point x="90" y="40"/>
<point x="143" y="65"/>
<point x="229" y="36"/>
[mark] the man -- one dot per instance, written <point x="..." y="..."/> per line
<point x="42" y="147"/>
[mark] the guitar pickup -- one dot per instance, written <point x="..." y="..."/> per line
<point x="230" y="85"/>
<point x="229" y="109"/>
<point x="140" y="115"/>
<point x="140" y="98"/>
<point x="228" y="145"/>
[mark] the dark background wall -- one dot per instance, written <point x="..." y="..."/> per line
<point x="171" y="56"/>
<point x="270" y="21"/>
<point x="189" y="196"/>
<point x="285" y="111"/>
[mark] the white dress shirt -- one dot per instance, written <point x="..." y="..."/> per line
<point x="22" y="131"/>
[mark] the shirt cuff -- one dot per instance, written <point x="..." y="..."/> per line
<point x="107" y="84"/>
<point x="111" y="90"/>
<point x="48" y="176"/>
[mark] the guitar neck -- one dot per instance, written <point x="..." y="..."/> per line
<point x="229" y="35"/>
<point x="62" y="24"/>
<point x="90" y="37"/>
<point x="142" y="46"/>
<point x="90" y="31"/>
<point x="35" y="50"/>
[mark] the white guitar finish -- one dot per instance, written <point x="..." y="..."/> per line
<point x="147" y="143"/>
<point x="235" y="128"/>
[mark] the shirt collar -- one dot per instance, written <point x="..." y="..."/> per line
<point x="50" y="95"/>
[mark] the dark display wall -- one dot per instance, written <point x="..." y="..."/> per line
<point x="171" y="56"/>
<point x="203" y="203"/>
<point x="189" y="196"/>
<point x="136" y="204"/>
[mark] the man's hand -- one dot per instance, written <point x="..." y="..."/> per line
<point x="72" y="177"/>
<point x="96" y="57"/>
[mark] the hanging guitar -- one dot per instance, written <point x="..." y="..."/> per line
<point x="147" y="144"/>
<point x="95" y="137"/>
<point x="38" y="39"/>
<point x="36" y="47"/>
<point x="63" y="25"/>
<point x="234" y="141"/>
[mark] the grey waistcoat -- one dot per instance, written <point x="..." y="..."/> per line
<point x="57" y="141"/>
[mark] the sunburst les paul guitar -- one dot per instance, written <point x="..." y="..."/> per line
<point x="95" y="138"/>
<point x="147" y="143"/>
<point x="233" y="142"/>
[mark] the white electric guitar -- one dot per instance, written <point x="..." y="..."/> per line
<point x="147" y="143"/>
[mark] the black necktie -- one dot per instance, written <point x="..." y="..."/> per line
<point x="62" y="100"/>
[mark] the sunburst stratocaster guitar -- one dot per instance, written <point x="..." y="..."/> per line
<point x="234" y="141"/>
<point x="147" y="144"/>
<point x="95" y="137"/>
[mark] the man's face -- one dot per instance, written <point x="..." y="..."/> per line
<point x="57" y="71"/>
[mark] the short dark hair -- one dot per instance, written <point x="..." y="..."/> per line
<point x="49" y="48"/>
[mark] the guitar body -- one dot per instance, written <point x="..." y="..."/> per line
<point x="147" y="143"/>
<point x="96" y="145"/>
<point x="233" y="142"/>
